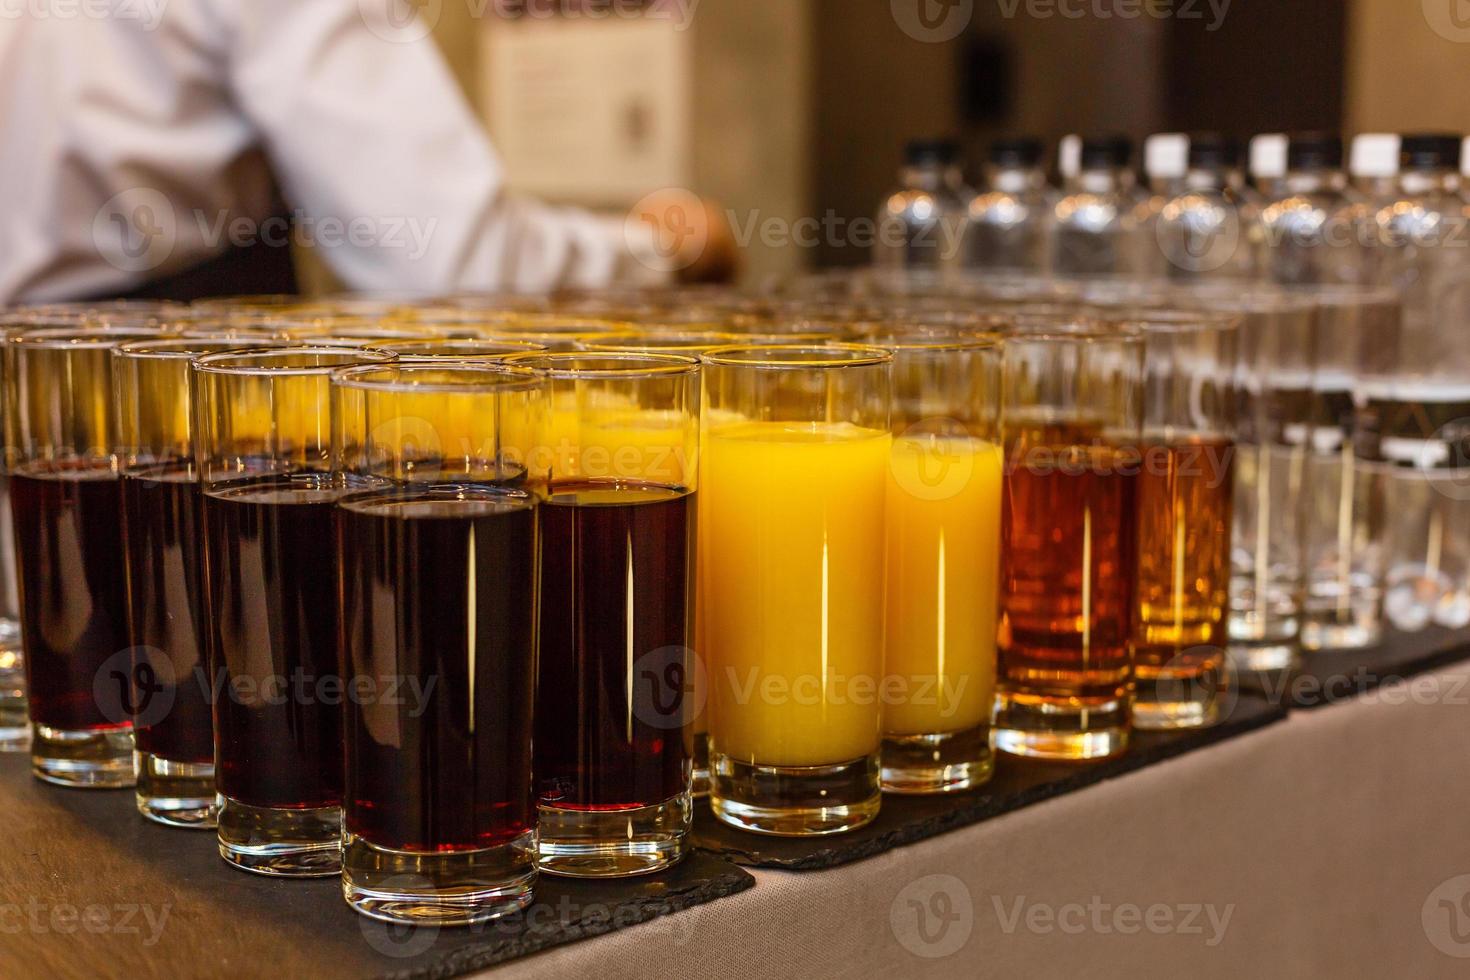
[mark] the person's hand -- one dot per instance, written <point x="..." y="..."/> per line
<point x="691" y="236"/>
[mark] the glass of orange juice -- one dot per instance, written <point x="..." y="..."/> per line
<point x="797" y="447"/>
<point x="943" y="540"/>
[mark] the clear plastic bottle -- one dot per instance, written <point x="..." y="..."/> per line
<point x="1308" y="236"/>
<point x="1210" y="229"/>
<point x="1094" y="228"/>
<point x="921" y="222"/>
<point x="1420" y="409"/>
<point x="1006" y="225"/>
<point x="1373" y="167"/>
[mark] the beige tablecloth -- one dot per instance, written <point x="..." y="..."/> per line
<point x="1335" y="844"/>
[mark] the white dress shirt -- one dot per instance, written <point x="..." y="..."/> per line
<point x="138" y="139"/>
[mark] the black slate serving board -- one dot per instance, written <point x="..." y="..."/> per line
<point x="1017" y="783"/>
<point x="1338" y="676"/>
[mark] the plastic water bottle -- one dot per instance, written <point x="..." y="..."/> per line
<point x="1094" y="226"/>
<point x="1006" y="225"/>
<point x="921" y="222"/>
<point x="1268" y="163"/>
<point x="1211" y="227"/>
<point x="1306" y="224"/>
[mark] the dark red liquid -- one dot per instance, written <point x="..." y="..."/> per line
<point x="439" y="600"/>
<point x="173" y="717"/>
<point x="608" y="733"/>
<point x="68" y="535"/>
<point x="271" y="563"/>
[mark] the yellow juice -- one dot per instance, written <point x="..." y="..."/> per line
<point x="794" y="590"/>
<point x="943" y="565"/>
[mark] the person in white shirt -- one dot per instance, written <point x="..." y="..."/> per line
<point x="142" y="141"/>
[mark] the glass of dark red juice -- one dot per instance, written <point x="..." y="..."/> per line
<point x="437" y="531"/>
<point x="66" y="504"/>
<point x="614" y="709"/>
<point x="263" y="426"/>
<point x="173" y="724"/>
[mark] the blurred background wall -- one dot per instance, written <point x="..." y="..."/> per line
<point x="787" y="108"/>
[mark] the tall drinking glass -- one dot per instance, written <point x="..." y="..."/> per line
<point x="1347" y="508"/>
<point x="173" y="724"/>
<point x="263" y="448"/>
<point x="1071" y="413"/>
<point x="1274" y="422"/>
<point x="438" y="538"/>
<point x="1185" y="504"/>
<point x="67" y="515"/>
<point x="614" y="700"/>
<point x="798" y="448"/>
<point x="943" y="532"/>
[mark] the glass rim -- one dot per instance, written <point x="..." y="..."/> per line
<point x="96" y="337"/>
<point x="789" y="357"/>
<point x="1345" y="294"/>
<point x="1078" y="330"/>
<point x="413" y="349"/>
<point x="188" y="348"/>
<point x="516" y="378"/>
<point x="920" y="343"/>
<point x="233" y="362"/>
<point x="1173" y="321"/>
<point x="639" y="365"/>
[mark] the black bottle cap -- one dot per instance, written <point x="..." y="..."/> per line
<point x="1314" y="151"/>
<point x="929" y="152"/>
<point x="1102" y="152"/>
<point x="1017" y="151"/>
<point x="1212" y="151"/>
<point x="1429" y="151"/>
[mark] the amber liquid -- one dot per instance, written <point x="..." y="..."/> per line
<point x="439" y="619"/>
<point x="161" y="521"/>
<point x="1185" y="495"/>
<point x="616" y="601"/>
<point x="272" y="574"/>
<point x="68" y="534"/>
<point x="1068" y="565"/>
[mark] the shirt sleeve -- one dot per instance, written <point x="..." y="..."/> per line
<point x="390" y="171"/>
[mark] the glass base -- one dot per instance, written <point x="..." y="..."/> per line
<point x="795" y="801"/>
<point x="701" y="764"/>
<point x="613" y="843"/>
<point x="446" y="889"/>
<point x="1264" y="657"/>
<point x="177" y="794"/>
<point x="83" y="759"/>
<point x="1340" y="636"/>
<point x="950" y="763"/>
<point x="305" y="843"/>
<point x="1061" y="728"/>
<point x="15" y="722"/>
<point x="1173" y="698"/>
